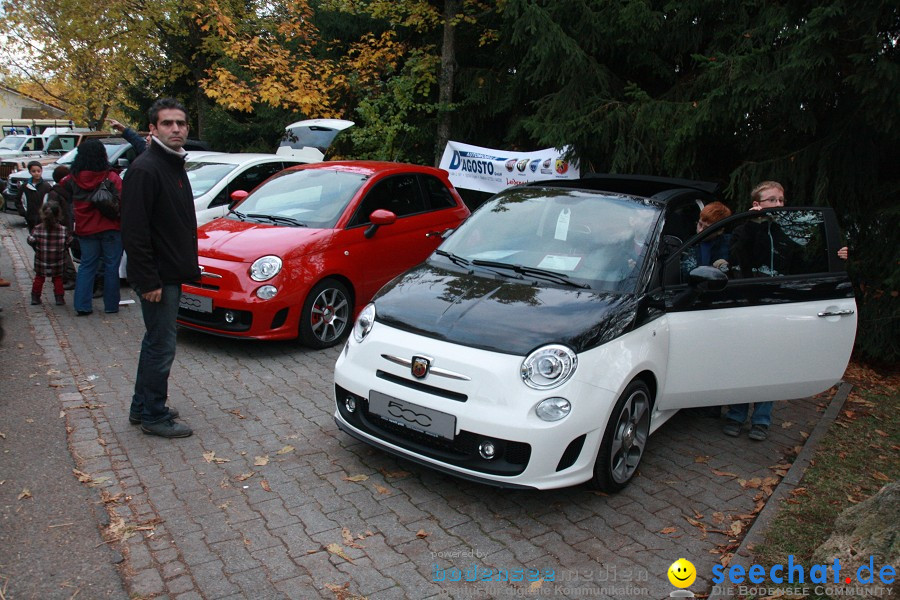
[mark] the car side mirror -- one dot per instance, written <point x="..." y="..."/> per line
<point x="377" y="219"/>
<point x="237" y="196"/>
<point x="123" y="163"/>
<point x="707" y="279"/>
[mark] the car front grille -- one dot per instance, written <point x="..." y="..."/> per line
<point x="242" y="319"/>
<point x="511" y="457"/>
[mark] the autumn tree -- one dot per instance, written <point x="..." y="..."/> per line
<point x="70" y="53"/>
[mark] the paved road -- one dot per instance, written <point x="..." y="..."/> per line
<point x="269" y="500"/>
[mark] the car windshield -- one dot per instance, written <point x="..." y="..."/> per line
<point x="311" y="197"/>
<point x="204" y="175"/>
<point x="597" y="239"/>
<point x="69" y="157"/>
<point x="12" y="142"/>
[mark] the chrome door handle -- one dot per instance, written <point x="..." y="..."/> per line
<point x="837" y="313"/>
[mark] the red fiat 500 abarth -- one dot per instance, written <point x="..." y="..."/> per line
<point x="311" y="246"/>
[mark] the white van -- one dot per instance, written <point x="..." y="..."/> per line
<point x="308" y="140"/>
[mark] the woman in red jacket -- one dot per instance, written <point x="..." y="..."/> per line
<point x="98" y="236"/>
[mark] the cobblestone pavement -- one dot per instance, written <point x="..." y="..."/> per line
<point x="269" y="500"/>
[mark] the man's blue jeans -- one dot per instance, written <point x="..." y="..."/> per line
<point x="762" y="413"/>
<point x="106" y="245"/>
<point x="151" y="385"/>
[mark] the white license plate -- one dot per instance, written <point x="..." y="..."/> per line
<point x="412" y="416"/>
<point x="196" y="303"/>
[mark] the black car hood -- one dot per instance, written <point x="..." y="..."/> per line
<point x="502" y="315"/>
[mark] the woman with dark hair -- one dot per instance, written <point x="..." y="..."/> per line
<point x="98" y="236"/>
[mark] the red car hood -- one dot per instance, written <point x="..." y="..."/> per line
<point x="228" y="239"/>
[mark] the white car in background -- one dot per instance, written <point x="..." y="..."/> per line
<point x="308" y="140"/>
<point x="215" y="176"/>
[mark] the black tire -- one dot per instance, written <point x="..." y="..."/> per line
<point x="624" y="440"/>
<point x="325" y="320"/>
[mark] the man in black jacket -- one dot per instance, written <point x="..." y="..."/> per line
<point x="159" y="232"/>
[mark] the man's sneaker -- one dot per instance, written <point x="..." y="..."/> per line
<point x="732" y="428"/>
<point x="60" y="300"/>
<point x="35" y="299"/>
<point x="759" y="432"/>
<point x="167" y="429"/>
<point x="136" y="419"/>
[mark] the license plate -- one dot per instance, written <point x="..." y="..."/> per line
<point x="195" y="303"/>
<point x="412" y="416"/>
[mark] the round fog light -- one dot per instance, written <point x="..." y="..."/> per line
<point x="266" y="292"/>
<point x="229" y="316"/>
<point x="553" y="409"/>
<point x="350" y="404"/>
<point x="487" y="450"/>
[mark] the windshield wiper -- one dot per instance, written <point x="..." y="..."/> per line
<point x="533" y="271"/>
<point x="239" y="215"/>
<point x="278" y="219"/>
<point x="455" y="258"/>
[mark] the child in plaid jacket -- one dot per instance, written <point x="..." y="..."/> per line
<point x="50" y="240"/>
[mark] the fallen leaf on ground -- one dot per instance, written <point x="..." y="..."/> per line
<point x="342" y="592"/>
<point x="668" y="530"/>
<point x="355" y="478"/>
<point x="422" y="534"/>
<point x="787" y="425"/>
<point x="880" y="476"/>
<point x="285" y="450"/>
<point x="261" y="461"/>
<point x="394" y="474"/>
<point x="536" y="585"/>
<point x="121" y="530"/>
<point x="26" y="493"/>
<point x="349" y="539"/>
<point x="108" y="498"/>
<point x="695" y="522"/>
<point x="245" y="476"/>
<point x="381" y="489"/>
<point x="718" y="518"/>
<point x="265" y="485"/>
<point x="882" y="433"/>
<point x="82" y="476"/>
<point x="212" y="458"/>
<point x="754" y="483"/>
<point x="236" y="412"/>
<point x="337" y="550"/>
<point x="737" y="527"/>
<point x="701" y="459"/>
<point x="723" y="473"/>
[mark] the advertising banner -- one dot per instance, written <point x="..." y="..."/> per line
<point x="489" y="170"/>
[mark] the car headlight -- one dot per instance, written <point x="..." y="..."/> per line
<point x="266" y="292"/>
<point x="549" y="367"/>
<point x="265" y="268"/>
<point x="553" y="409"/>
<point x="364" y="323"/>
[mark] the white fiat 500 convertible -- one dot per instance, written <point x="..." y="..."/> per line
<point x="548" y="337"/>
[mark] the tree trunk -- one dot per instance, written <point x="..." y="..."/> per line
<point x="448" y="72"/>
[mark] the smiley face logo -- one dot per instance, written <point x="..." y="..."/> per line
<point x="682" y="573"/>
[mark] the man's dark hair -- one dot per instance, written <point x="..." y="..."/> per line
<point x="91" y="156"/>
<point x="35" y="163"/>
<point x="162" y="104"/>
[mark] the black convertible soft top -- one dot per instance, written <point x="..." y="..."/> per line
<point x="634" y="185"/>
